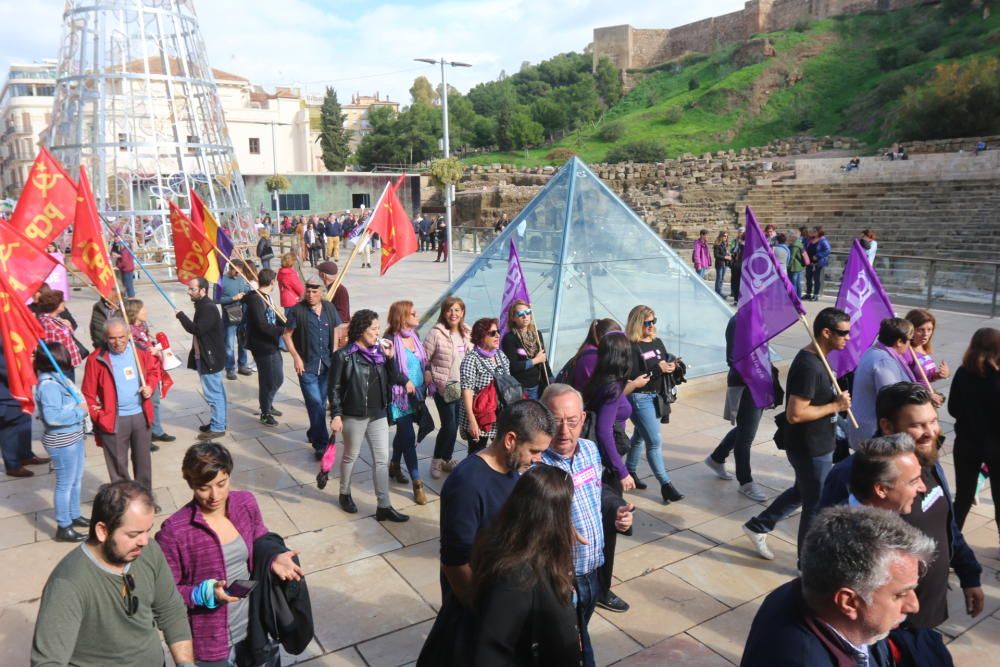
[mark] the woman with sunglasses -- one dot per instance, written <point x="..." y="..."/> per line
<point x="209" y="544"/>
<point x="525" y="350"/>
<point x="446" y="344"/>
<point x="478" y="426"/>
<point x="650" y="359"/>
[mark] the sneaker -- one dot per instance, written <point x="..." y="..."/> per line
<point x="449" y="465"/>
<point x="164" y="437"/>
<point x="759" y="541"/>
<point x="268" y="420"/>
<point x="612" y="602"/>
<point x="231" y="375"/>
<point x="275" y="412"/>
<point x="205" y="428"/>
<point x="718" y="468"/>
<point x="244" y="371"/>
<point x="436" y="468"/>
<point x="210" y="435"/>
<point x="753" y="492"/>
<point x="153" y="447"/>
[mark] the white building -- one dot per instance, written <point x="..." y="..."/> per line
<point x="25" y="110"/>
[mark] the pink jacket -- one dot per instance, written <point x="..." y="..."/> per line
<point x="441" y="352"/>
<point x="701" y="256"/>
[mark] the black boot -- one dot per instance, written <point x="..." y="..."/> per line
<point x="67" y="534"/>
<point x="389" y="514"/>
<point x="347" y="504"/>
<point x="639" y="484"/>
<point x="670" y="493"/>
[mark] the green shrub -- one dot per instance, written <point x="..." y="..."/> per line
<point x="976" y="28"/>
<point x="802" y="25"/>
<point x="651" y="98"/>
<point x="559" y="155"/>
<point x="959" y="100"/>
<point x="893" y="85"/>
<point x="962" y="47"/>
<point x="612" y="132"/>
<point x="637" y="151"/>
<point x="805" y="124"/>
<point x="693" y="84"/>
<point x="908" y="55"/>
<point x="886" y="58"/>
<point x="929" y="37"/>
<point x="673" y="115"/>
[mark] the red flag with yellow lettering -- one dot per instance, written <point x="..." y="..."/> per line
<point x="20" y="330"/>
<point x="90" y="254"/>
<point x="48" y="202"/>
<point x="394" y="228"/>
<point x="192" y="252"/>
<point x="22" y="263"/>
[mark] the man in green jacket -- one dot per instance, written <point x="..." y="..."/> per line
<point x="796" y="265"/>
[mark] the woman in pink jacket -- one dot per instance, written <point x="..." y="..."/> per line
<point x="446" y="345"/>
<point x="701" y="256"/>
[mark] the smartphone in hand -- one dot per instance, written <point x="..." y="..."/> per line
<point x="240" y="588"/>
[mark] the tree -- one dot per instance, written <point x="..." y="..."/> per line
<point x="334" y="138"/>
<point x="959" y="100"/>
<point x="524" y="131"/>
<point x="609" y="82"/>
<point x="550" y="115"/>
<point x="422" y="92"/>
<point x="381" y="145"/>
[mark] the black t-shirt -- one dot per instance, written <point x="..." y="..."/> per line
<point x="472" y="495"/>
<point x="930" y="515"/>
<point x="646" y="358"/>
<point x="808" y="378"/>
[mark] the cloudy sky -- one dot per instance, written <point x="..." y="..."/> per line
<point x="368" y="45"/>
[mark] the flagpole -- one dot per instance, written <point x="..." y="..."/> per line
<point x="920" y="367"/>
<point x="149" y="275"/>
<point x="826" y="364"/>
<point x="363" y="238"/>
<point x="59" y="371"/>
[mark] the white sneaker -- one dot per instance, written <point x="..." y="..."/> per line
<point x="759" y="541"/>
<point x="753" y="492"/>
<point x="436" y="468"/>
<point x="718" y="468"/>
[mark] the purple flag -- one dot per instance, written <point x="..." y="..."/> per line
<point x="514" y="286"/>
<point x="768" y="305"/>
<point x="861" y="296"/>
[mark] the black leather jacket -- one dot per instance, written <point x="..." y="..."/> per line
<point x="350" y="374"/>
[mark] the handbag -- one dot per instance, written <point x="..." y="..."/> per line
<point x="453" y="388"/>
<point x="233" y="312"/>
<point x="508" y="389"/>
<point x="781" y="432"/>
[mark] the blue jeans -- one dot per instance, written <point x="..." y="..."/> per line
<point x="531" y="392"/>
<point x="588" y="589"/>
<point x="314" y="389"/>
<point x="810" y="473"/>
<point x="68" y="463"/>
<point x="797" y="282"/>
<point x="814" y="280"/>
<point x="646" y="436"/>
<point x="701" y="272"/>
<point x="740" y="438"/>
<point x="215" y="395"/>
<point x="157" y="426"/>
<point x="231" y="345"/>
<point x="404" y="445"/>
<point x="128" y="277"/>
<point x="444" y="445"/>
<point x="720" y="278"/>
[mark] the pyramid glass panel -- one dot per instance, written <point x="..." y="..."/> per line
<point x="586" y="255"/>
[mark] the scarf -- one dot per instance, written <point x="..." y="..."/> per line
<point x="900" y="359"/>
<point x="530" y="341"/>
<point x="399" y="396"/>
<point x="486" y="353"/>
<point x="140" y="334"/>
<point x="372" y="354"/>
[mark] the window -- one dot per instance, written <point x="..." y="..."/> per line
<point x="192" y="139"/>
<point x="122" y="141"/>
<point x="361" y="199"/>
<point x="291" y="202"/>
<point x="254" y="146"/>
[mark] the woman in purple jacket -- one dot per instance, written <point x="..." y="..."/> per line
<point x="209" y="543"/>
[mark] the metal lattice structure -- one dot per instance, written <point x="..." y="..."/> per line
<point x="136" y="103"/>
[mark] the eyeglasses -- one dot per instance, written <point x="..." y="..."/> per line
<point x="572" y="422"/>
<point x="522" y="313"/>
<point x="840" y="332"/>
<point x="129" y="599"/>
<point x="649" y="323"/>
<point x="493" y="333"/>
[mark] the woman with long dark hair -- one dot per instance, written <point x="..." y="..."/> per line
<point x="361" y="381"/>
<point x="525" y="349"/>
<point x="523" y="577"/>
<point x="411" y="361"/>
<point x="581" y="366"/>
<point x="974" y="402"/>
<point x="446" y="345"/>
<point x="478" y="372"/>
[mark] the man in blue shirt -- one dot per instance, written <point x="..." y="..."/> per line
<point x="471" y="496"/>
<point x="582" y="461"/>
<point x="333" y="233"/>
<point x="234" y="289"/>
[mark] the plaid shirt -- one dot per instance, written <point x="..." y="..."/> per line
<point x="585" y="468"/>
<point x="57" y="331"/>
<point x="476" y="373"/>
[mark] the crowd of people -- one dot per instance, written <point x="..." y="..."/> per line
<point x="530" y="517"/>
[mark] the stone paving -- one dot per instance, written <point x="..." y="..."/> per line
<point x="692" y="579"/>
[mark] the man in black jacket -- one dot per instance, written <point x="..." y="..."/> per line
<point x="310" y="336"/>
<point x="263" y="332"/>
<point x="208" y="354"/>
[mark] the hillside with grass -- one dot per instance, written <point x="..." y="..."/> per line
<point x="911" y="74"/>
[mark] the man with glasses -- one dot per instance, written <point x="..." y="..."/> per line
<point x="107" y="601"/>
<point x="208" y="355"/>
<point x="582" y="461"/>
<point x="311" y="338"/>
<point x="809" y="437"/>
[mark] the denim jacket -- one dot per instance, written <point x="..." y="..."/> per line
<point x="58" y="408"/>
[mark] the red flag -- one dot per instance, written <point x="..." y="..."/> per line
<point x="24" y="266"/>
<point x="192" y="253"/>
<point x="20" y="330"/>
<point x="393" y="226"/>
<point x="90" y="254"/>
<point x="48" y="203"/>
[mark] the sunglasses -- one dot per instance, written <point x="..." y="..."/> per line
<point x="129" y="599"/>
<point x="649" y="323"/>
<point x="522" y="313"/>
<point x="493" y="333"/>
<point x="840" y="332"/>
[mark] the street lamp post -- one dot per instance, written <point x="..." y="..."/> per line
<point x="444" y="124"/>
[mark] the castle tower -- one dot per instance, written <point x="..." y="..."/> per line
<point x="136" y="103"/>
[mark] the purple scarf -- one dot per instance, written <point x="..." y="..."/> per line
<point x="486" y="353"/>
<point x="900" y="359"/>
<point x="372" y="354"/>
<point x="399" y="396"/>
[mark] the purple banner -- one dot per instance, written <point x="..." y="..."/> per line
<point x="768" y="305"/>
<point x="861" y="296"/>
<point x="514" y="287"/>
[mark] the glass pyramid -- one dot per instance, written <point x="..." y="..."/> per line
<point x="586" y="255"/>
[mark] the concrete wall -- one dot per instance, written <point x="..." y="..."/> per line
<point x="927" y="167"/>
<point x="332" y="191"/>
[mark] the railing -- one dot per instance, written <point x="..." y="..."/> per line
<point x="931" y="282"/>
